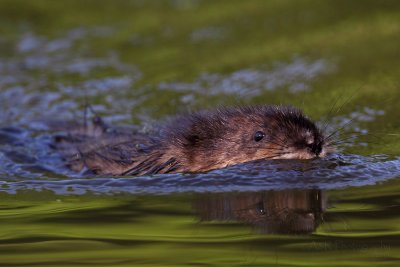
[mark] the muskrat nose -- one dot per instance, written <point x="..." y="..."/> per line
<point x="316" y="148"/>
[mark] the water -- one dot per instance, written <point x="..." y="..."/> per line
<point x="138" y="62"/>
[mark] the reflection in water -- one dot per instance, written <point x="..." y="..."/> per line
<point x="286" y="211"/>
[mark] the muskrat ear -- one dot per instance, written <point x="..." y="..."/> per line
<point x="258" y="136"/>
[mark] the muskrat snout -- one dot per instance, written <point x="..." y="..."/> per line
<point x="316" y="148"/>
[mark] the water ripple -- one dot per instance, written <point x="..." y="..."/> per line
<point x="338" y="171"/>
<point x="295" y="76"/>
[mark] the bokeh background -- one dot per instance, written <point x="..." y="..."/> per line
<point x="138" y="62"/>
<point x="142" y="60"/>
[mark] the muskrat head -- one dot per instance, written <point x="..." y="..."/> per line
<point x="210" y="140"/>
<point x="290" y="135"/>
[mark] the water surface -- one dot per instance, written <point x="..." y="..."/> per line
<point x="138" y="62"/>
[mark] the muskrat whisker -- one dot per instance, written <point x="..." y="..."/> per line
<point x="339" y="144"/>
<point x="339" y="129"/>
<point x="352" y="135"/>
<point x="343" y="104"/>
<point x="345" y="138"/>
<point x="281" y="144"/>
<point x="352" y="143"/>
<point x="280" y="140"/>
<point x="357" y="133"/>
<point x="339" y="138"/>
<point x="326" y="122"/>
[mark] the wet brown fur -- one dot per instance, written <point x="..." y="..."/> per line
<point x="196" y="142"/>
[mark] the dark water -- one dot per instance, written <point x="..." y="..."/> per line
<point x="137" y="62"/>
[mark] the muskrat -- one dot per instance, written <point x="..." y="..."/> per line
<point x="196" y="142"/>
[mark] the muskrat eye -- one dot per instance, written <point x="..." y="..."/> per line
<point x="258" y="136"/>
<point x="260" y="208"/>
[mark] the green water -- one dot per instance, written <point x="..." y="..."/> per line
<point x="141" y="61"/>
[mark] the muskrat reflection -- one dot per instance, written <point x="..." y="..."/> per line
<point x="287" y="211"/>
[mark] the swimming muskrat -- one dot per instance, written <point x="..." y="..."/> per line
<point x="196" y="142"/>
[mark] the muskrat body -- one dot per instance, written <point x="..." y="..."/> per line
<point x="196" y="142"/>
